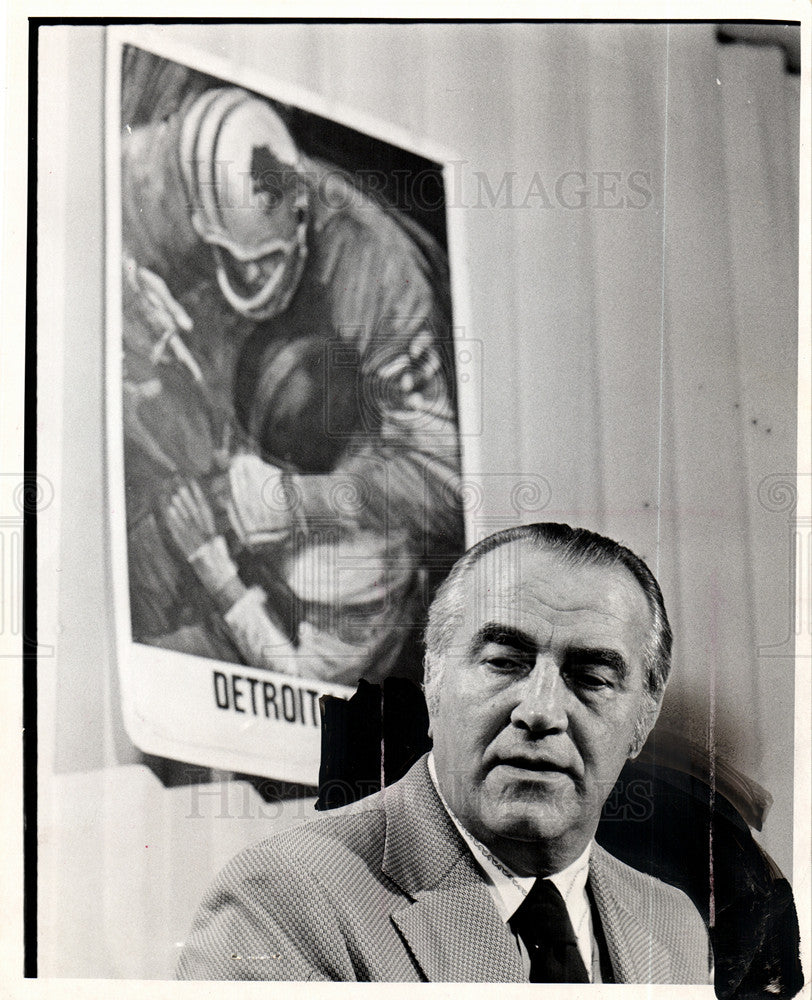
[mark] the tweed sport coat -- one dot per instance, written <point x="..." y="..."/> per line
<point x="386" y="890"/>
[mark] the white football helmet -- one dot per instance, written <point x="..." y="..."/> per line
<point x="247" y="196"/>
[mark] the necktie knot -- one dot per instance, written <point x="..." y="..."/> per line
<point x="544" y="925"/>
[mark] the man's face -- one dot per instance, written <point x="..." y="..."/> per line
<point x="542" y="689"/>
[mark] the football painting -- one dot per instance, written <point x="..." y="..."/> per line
<point x="288" y="402"/>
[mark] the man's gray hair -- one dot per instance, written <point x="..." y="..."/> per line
<point x="575" y="545"/>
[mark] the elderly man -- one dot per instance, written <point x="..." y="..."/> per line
<point x="547" y="653"/>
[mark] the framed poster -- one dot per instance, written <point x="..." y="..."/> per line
<point x="282" y="406"/>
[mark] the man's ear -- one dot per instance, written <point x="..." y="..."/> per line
<point x="649" y="714"/>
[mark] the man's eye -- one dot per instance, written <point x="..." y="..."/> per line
<point x="592" y="680"/>
<point x="504" y="662"/>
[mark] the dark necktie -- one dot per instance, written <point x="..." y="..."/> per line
<point x="544" y="925"/>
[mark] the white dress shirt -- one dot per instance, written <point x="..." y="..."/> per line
<point x="509" y="890"/>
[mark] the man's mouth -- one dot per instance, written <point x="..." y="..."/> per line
<point x="539" y="765"/>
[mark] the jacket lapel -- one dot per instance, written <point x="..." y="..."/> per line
<point x="637" y="956"/>
<point x="449" y="921"/>
<point x="456" y="935"/>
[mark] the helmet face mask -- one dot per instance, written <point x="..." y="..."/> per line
<point x="260" y="288"/>
<point x="249" y="201"/>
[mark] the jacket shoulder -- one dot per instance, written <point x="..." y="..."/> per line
<point x="256" y="920"/>
<point x="323" y="849"/>
<point x="357" y="830"/>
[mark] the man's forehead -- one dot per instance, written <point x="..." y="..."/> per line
<point x="519" y="577"/>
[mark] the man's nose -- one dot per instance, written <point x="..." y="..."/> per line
<point x="542" y="702"/>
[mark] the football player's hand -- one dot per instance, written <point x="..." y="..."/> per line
<point x="146" y="294"/>
<point x="189" y="519"/>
